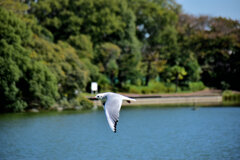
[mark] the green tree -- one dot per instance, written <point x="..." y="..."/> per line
<point x="16" y="6"/>
<point x="103" y="21"/>
<point x="156" y="30"/>
<point x="57" y="18"/>
<point x="216" y="46"/>
<point x="24" y="82"/>
<point x="152" y="64"/>
<point x="83" y="46"/>
<point x="175" y="73"/>
<point x="62" y="59"/>
<point x="106" y="57"/>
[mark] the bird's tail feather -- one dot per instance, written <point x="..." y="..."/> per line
<point x="128" y="99"/>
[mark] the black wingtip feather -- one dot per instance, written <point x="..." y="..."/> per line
<point x="115" y="126"/>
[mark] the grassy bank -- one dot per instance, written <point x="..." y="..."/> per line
<point x="160" y="87"/>
<point x="231" y="98"/>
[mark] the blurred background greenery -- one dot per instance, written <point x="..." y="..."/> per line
<point x="51" y="50"/>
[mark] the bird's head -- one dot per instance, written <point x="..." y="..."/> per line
<point x="100" y="96"/>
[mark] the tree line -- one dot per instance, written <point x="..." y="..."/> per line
<point x="52" y="50"/>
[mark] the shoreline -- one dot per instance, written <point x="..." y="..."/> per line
<point x="205" y="97"/>
<point x="190" y="100"/>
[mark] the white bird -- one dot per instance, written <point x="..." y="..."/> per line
<point x="112" y="107"/>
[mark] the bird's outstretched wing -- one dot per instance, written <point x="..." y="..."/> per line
<point x="112" y="108"/>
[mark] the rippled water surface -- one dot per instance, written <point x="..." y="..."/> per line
<point x="143" y="133"/>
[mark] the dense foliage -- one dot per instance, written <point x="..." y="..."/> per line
<point x="51" y="50"/>
<point x="24" y="82"/>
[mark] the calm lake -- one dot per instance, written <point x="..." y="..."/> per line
<point x="144" y="133"/>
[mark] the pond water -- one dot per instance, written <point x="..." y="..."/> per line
<point x="142" y="133"/>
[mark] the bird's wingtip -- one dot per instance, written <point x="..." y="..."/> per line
<point x="115" y="126"/>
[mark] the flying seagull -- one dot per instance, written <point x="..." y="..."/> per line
<point x="112" y="107"/>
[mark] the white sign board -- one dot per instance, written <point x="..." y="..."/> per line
<point x="94" y="86"/>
